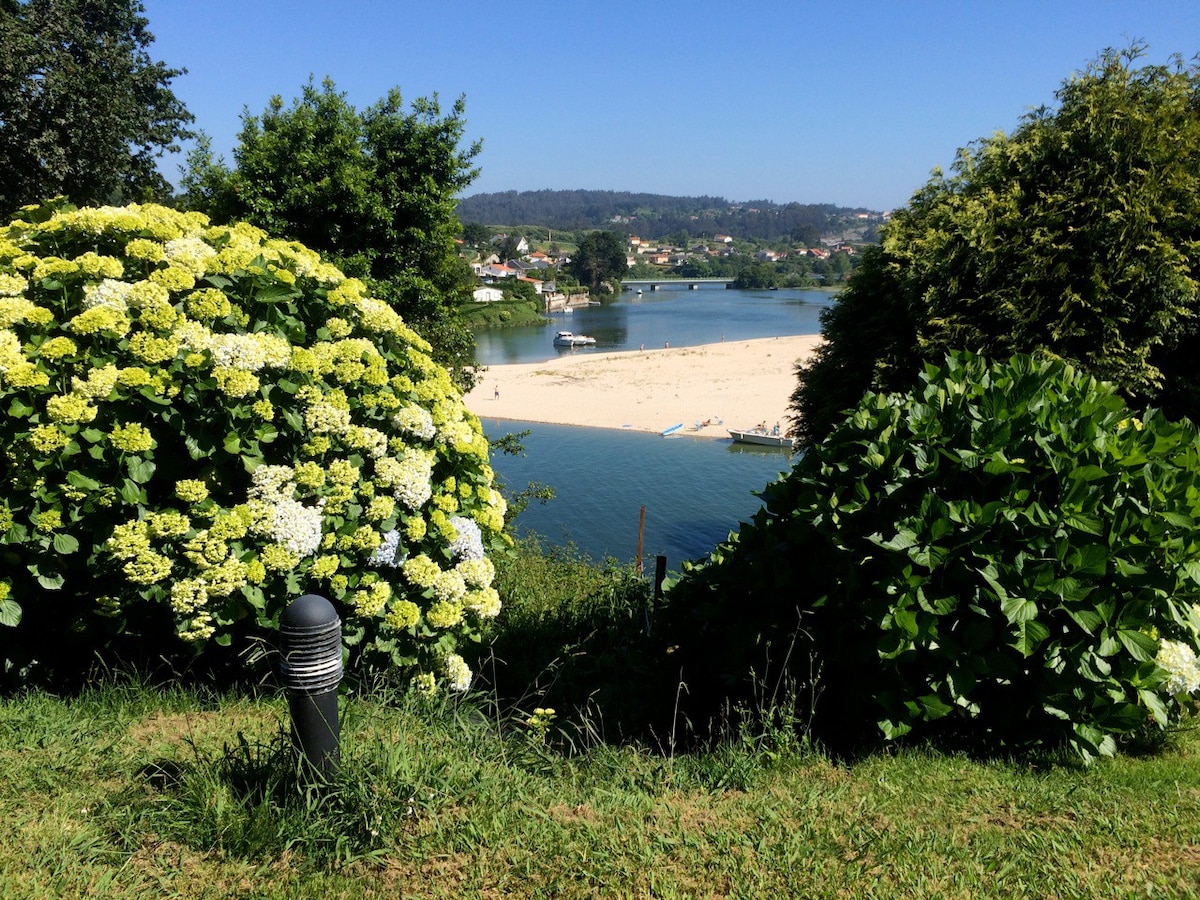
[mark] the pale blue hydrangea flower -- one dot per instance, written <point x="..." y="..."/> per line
<point x="390" y="552"/>
<point x="469" y="543"/>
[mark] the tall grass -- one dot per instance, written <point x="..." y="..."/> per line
<point x="130" y="791"/>
<point x="136" y="789"/>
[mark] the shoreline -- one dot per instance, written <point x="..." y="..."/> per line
<point x="707" y="389"/>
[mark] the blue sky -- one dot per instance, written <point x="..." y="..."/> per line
<point x="850" y="103"/>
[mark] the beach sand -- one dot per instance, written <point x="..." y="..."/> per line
<point x="734" y="384"/>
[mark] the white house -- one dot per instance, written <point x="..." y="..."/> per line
<point x="497" y="271"/>
<point x="488" y="295"/>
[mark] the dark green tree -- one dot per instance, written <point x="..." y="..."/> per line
<point x="84" y="110"/>
<point x="1078" y="235"/>
<point x="476" y="235"/>
<point x="374" y="189"/>
<point x="507" y="248"/>
<point x="600" y="258"/>
<point x="757" y="275"/>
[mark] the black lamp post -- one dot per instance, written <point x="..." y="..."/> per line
<point x="311" y="653"/>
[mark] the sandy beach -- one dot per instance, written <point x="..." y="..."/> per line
<point x="735" y="384"/>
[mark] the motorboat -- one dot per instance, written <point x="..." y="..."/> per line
<point x="762" y="436"/>
<point x="568" y="339"/>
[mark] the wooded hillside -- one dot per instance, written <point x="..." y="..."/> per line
<point x="656" y="216"/>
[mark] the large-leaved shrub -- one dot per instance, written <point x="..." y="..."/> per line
<point x="1007" y="554"/>
<point x="200" y="423"/>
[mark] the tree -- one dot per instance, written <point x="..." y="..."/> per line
<point x="1076" y="235"/>
<point x="475" y="235"/>
<point x="507" y="248"/>
<point x="84" y="110"/>
<point x="757" y="275"/>
<point x="600" y="257"/>
<point x="375" y="190"/>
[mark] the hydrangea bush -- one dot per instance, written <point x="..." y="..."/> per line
<point x="1007" y="554"/>
<point x="201" y="423"/>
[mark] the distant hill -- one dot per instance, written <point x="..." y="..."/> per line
<point x="655" y="216"/>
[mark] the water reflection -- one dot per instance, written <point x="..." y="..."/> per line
<point x="679" y="317"/>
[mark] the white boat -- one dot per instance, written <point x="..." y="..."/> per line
<point x="763" y="436"/>
<point x="567" y="339"/>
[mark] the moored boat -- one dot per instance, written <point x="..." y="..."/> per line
<point x="763" y="437"/>
<point x="568" y="339"/>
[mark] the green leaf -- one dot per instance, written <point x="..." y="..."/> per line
<point x="1140" y="645"/>
<point x="1087" y="619"/>
<point x="233" y="443"/>
<point x="1191" y="568"/>
<point x="140" y="470"/>
<point x="1080" y="522"/>
<point x="893" y="730"/>
<point x="65" y="544"/>
<point x="1027" y="636"/>
<point x="81" y="481"/>
<point x="18" y="409"/>
<point x="989" y="575"/>
<point x="131" y="493"/>
<point x="901" y="540"/>
<point x="934" y="706"/>
<point x="1090" y="559"/>
<point x="906" y="621"/>
<point x="1154" y="703"/>
<point x="10" y="613"/>
<point x="1018" y="609"/>
<point x="275" y="292"/>
<point x="51" y="582"/>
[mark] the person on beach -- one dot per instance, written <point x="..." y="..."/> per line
<point x="497" y="394"/>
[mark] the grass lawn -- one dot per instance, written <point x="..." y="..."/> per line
<point x="135" y="791"/>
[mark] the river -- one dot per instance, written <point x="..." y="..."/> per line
<point x="695" y="490"/>
<point x="673" y="314"/>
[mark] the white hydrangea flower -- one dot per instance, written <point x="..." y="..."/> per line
<point x="190" y="253"/>
<point x="109" y="292"/>
<point x="1179" y="660"/>
<point x="458" y="673"/>
<point x="469" y="542"/>
<point x="408" y="477"/>
<point x="415" y="420"/>
<point x="251" y="352"/>
<point x="297" y="527"/>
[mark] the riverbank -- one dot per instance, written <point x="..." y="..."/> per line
<point x="735" y="384"/>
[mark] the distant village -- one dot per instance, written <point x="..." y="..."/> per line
<point x="541" y="271"/>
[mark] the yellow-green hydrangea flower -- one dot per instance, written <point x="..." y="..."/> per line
<point x="47" y="439"/>
<point x="190" y="490"/>
<point x="57" y="348"/>
<point x="69" y="408"/>
<point x="403" y="614"/>
<point x="131" y="438"/>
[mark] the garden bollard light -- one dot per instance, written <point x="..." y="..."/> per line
<point x="311" y="665"/>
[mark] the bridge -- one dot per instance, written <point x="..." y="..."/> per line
<point x="655" y="284"/>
